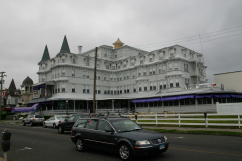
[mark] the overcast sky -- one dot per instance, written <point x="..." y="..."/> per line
<point x="213" y="27"/>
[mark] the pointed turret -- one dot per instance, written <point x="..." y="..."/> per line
<point x="118" y="44"/>
<point x="12" y="88"/>
<point x="65" y="47"/>
<point x="46" y="55"/>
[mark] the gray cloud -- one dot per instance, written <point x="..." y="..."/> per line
<point x="26" y="26"/>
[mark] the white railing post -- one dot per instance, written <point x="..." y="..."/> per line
<point x="179" y="120"/>
<point x="206" y="120"/>
<point x="156" y="120"/>
<point x="239" y="120"/>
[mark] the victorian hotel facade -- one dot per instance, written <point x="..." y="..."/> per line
<point x="169" y="79"/>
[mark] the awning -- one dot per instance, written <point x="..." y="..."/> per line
<point x="173" y="98"/>
<point x="39" y="86"/>
<point x="26" y="109"/>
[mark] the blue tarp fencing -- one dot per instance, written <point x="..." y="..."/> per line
<point x="172" y="98"/>
<point x="26" y="109"/>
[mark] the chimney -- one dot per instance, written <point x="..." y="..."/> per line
<point x="79" y="49"/>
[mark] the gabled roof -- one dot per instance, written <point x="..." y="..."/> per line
<point x="12" y="88"/>
<point x="46" y="55"/>
<point x="65" y="47"/>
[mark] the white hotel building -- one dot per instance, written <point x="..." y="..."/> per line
<point x="125" y="75"/>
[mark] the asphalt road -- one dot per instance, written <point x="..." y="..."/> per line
<point x="39" y="144"/>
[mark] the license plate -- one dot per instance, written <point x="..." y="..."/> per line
<point x="162" y="146"/>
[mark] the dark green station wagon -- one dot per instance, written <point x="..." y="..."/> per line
<point x="119" y="134"/>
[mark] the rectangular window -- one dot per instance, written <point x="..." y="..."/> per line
<point x="171" y="85"/>
<point x="164" y="86"/>
<point x="73" y="90"/>
<point x="151" y="88"/>
<point x="140" y="89"/>
<point x="63" y="90"/>
<point x="134" y="90"/>
<point x="154" y="87"/>
<point x="177" y="84"/>
<point x="84" y="91"/>
<point x="160" y="86"/>
<point x="88" y="91"/>
<point x="145" y="88"/>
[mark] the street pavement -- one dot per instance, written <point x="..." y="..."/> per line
<point x="41" y="144"/>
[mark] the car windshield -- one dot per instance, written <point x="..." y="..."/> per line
<point x="125" y="125"/>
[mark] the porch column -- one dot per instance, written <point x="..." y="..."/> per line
<point x="96" y="104"/>
<point x="52" y="104"/>
<point x="148" y="107"/>
<point x="196" y="104"/>
<point x="112" y="105"/>
<point x="179" y="104"/>
<point x="74" y="105"/>
<point x="212" y="100"/>
<point x="87" y="105"/>
<point x="134" y="107"/>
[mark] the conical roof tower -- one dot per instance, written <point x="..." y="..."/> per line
<point x="12" y="88"/>
<point x="46" y="55"/>
<point x="65" y="47"/>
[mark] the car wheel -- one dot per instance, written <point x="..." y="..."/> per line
<point x="54" y="126"/>
<point x="44" y="126"/>
<point x="31" y="124"/>
<point x="60" y="130"/>
<point x="80" y="145"/>
<point x="125" y="152"/>
<point x="24" y="123"/>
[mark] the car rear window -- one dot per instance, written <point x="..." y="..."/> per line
<point x="38" y="116"/>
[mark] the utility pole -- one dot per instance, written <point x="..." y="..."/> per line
<point x="93" y="110"/>
<point x="2" y="75"/>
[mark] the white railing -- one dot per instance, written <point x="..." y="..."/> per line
<point x="212" y="120"/>
<point x="53" y="112"/>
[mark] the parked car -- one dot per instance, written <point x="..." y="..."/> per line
<point x="33" y="119"/>
<point x="54" y="121"/>
<point x="119" y="134"/>
<point x="67" y="124"/>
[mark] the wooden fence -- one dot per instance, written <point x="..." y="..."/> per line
<point x="206" y="120"/>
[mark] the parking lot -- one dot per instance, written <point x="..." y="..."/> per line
<point x="44" y="144"/>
